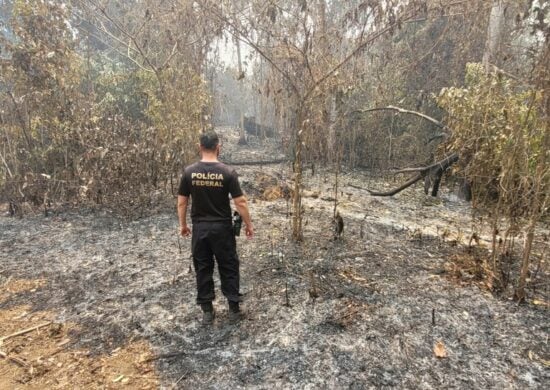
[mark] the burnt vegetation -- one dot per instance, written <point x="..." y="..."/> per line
<point x="396" y="155"/>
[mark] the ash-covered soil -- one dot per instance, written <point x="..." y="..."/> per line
<point x="365" y="311"/>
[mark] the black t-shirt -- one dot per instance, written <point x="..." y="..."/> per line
<point x="209" y="185"/>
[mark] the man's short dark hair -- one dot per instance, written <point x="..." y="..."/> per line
<point x="209" y="140"/>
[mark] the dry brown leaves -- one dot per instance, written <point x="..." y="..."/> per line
<point x="350" y="276"/>
<point x="272" y="193"/>
<point x="439" y="350"/>
<point x="44" y="358"/>
<point x="467" y="268"/>
<point x="271" y="188"/>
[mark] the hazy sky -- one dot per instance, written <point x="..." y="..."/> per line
<point x="228" y="53"/>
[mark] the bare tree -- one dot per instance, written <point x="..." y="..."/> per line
<point x="309" y="61"/>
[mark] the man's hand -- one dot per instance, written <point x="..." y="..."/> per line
<point x="242" y="208"/>
<point x="182" y="215"/>
<point x="185" y="231"/>
<point x="249" y="231"/>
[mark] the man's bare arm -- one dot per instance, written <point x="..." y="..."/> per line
<point x="182" y="214"/>
<point x="242" y="207"/>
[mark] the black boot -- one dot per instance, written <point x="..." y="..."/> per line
<point x="235" y="314"/>
<point x="207" y="313"/>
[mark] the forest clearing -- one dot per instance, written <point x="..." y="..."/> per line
<point x="387" y="161"/>
<point x="382" y="303"/>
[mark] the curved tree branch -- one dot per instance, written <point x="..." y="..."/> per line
<point x="444" y="164"/>
<point x="243" y="37"/>
<point x="397" y="190"/>
<point x="410" y="112"/>
<point x="435" y="170"/>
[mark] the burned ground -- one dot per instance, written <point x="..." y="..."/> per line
<point x="364" y="311"/>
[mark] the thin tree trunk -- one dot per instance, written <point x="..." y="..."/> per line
<point x="525" y="259"/>
<point x="494" y="33"/>
<point x="336" y="173"/>
<point x="297" y="196"/>
<point x="25" y="126"/>
<point x="262" y="101"/>
<point x="390" y="152"/>
<point x="242" y="135"/>
<point x="6" y="165"/>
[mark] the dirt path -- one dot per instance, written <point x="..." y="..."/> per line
<point x="364" y="312"/>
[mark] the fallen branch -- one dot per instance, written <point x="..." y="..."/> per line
<point x="24" y="331"/>
<point x="432" y="174"/>
<point x="407" y="184"/>
<point x="261" y="162"/>
<point x="14" y="359"/>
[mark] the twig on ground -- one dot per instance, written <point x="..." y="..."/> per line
<point x="24" y="331"/>
<point x="269" y="269"/>
<point x="14" y="359"/>
<point x="285" y="330"/>
<point x="61" y="346"/>
<point x="349" y="314"/>
<point x="169" y="355"/>
<point x="180" y="378"/>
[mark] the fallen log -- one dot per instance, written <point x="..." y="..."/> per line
<point x="431" y="174"/>
<point x="261" y="162"/>
<point x="407" y="184"/>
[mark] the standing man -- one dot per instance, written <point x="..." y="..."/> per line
<point x="209" y="182"/>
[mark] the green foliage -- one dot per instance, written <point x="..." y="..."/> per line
<point x="498" y="131"/>
<point x="39" y="83"/>
<point x="82" y="127"/>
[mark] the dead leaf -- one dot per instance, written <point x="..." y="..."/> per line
<point x="536" y="358"/>
<point x="439" y="350"/>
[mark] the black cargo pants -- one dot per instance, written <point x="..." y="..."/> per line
<point x="215" y="239"/>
